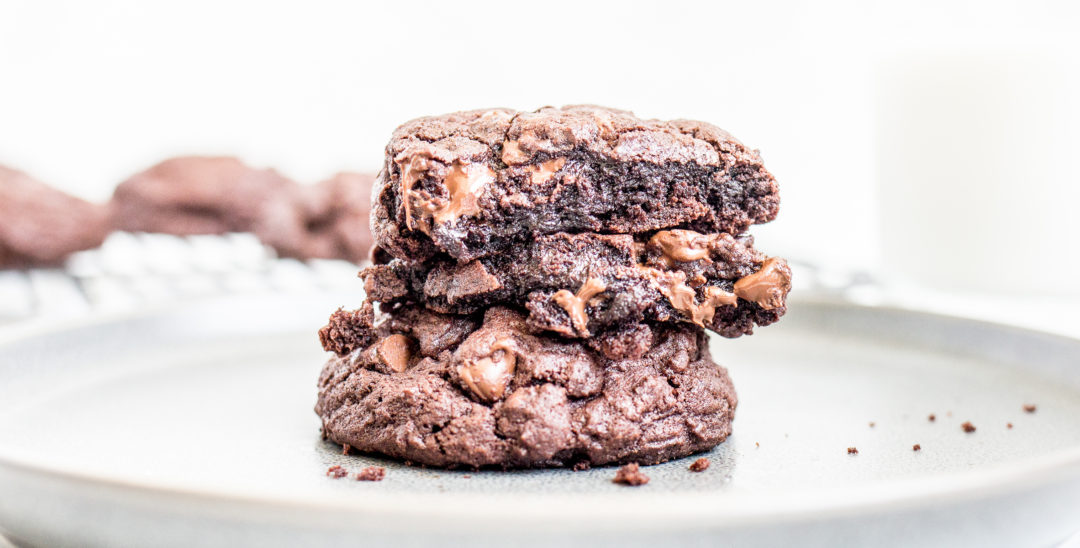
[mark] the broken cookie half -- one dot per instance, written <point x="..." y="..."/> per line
<point x="580" y="285"/>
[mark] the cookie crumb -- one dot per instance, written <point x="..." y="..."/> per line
<point x="631" y="474"/>
<point x="345" y="449"/>
<point x="932" y="417"/>
<point x="872" y="424"/>
<point x="852" y="451"/>
<point x="756" y="444"/>
<point x="1008" y="425"/>
<point x="1029" y="408"/>
<point x="700" y="465"/>
<point x="916" y="447"/>
<point x="336" y="472"/>
<point x="968" y="427"/>
<point x="371" y="473"/>
<point x="581" y="466"/>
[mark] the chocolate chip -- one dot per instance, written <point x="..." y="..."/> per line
<point x="488" y="377"/>
<point x="394" y="352"/>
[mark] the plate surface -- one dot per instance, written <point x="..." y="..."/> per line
<point x="194" y="425"/>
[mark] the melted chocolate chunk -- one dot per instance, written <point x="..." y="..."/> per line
<point x="574" y="303"/>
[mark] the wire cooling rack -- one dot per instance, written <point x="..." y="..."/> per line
<point x="130" y="271"/>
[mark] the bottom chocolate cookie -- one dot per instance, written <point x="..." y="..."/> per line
<point x="452" y="391"/>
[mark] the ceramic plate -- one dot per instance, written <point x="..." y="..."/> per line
<point x="194" y="426"/>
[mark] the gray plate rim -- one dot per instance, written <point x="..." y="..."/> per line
<point x="687" y="508"/>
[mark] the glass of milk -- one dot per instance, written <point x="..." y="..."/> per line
<point x="978" y="155"/>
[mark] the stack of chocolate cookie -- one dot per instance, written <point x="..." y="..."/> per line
<point x="541" y="289"/>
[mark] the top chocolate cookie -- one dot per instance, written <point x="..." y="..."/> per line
<point x="470" y="184"/>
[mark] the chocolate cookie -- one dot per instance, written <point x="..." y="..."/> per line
<point x="471" y="184"/>
<point x="335" y="220"/>
<point x="453" y="391"/>
<point x="216" y="195"/>
<point x="577" y="285"/>
<point x="40" y="226"/>
<point x="207" y="195"/>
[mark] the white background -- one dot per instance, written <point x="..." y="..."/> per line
<point x="91" y="92"/>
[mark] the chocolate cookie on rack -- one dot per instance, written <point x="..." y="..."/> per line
<point x="41" y="226"/>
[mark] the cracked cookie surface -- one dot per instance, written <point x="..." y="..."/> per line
<point x="475" y="391"/>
